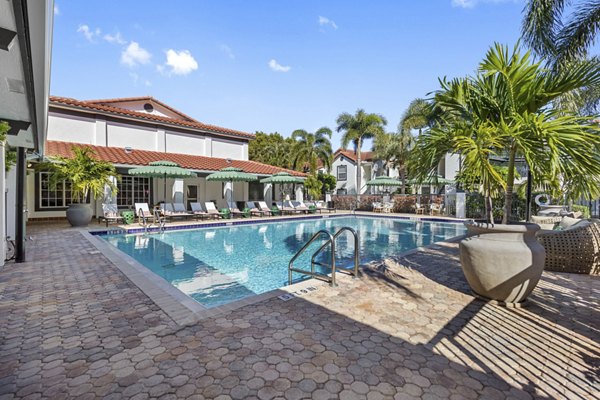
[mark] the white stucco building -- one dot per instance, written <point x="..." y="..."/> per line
<point x="130" y="132"/>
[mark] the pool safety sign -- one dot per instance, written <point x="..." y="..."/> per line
<point x="297" y="293"/>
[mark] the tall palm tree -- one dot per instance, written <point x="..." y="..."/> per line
<point x="356" y="128"/>
<point x="310" y="148"/>
<point x="563" y="30"/>
<point x="506" y="110"/>
<point x="419" y="115"/>
<point x="394" y="149"/>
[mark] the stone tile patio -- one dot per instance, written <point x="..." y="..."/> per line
<point x="72" y="326"/>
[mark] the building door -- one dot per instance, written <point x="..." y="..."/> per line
<point x="191" y="195"/>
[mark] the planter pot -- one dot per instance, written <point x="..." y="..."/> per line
<point x="79" y="214"/>
<point x="502" y="262"/>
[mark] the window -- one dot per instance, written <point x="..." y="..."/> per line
<point x="133" y="189"/>
<point x="56" y="197"/>
<point x="256" y="191"/>
<point x="342" y="172"/>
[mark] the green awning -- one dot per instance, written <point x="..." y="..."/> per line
<point x="161" y="169"/>
<point x="384" y="181"/>
<point x="282" y="178"/>
<point x="231" y="174"/>
<point x="431" y="180"/>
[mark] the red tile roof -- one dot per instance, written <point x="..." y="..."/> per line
<point x="117" y="155"/>
<point x="94" y="106"/>
<point x="148" y="99"/>
<point x="351" y="154"/>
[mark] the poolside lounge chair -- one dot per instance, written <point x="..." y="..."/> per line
<point x="198" y="212"/>
<point x="574" y="249"/>
<point x="436" y="209"/>
<point x="254" y="210"/>
<point x="387" y="207"/>
<point x="322" y="206"/>
<point x="285" y="209"/>
<point x="181" y="210"/>
<point x="377" y="207"/>
<point x="419" y="208"/>
<point x="234" y="210"/>
<point x="262" y="206"/>
<point x="310" y="204"/>
<point x="111" y="213"/>
<point x="212" y="210"/>
<point x="143" y="211"/>
<point x="299" y="206"/>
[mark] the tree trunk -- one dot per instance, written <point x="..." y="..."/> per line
<point x="510" y="183"/>
<point x="358" y="171"/>
<point x="403" y="180"/>
<point x="489" y="210"/>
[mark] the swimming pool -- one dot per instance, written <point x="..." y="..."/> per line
<point x="218" y="265"/>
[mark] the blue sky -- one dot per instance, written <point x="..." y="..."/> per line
<point x="273" y="65"/>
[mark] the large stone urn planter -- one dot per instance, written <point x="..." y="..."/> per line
<point x="79" y="214"/>
<point x="502" y="262"/>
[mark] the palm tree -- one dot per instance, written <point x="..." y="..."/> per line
<point x="394" y="149"/>
<point x="419" y="115"/>
<point x="310" y="148"/>
<point x="506" y="110"/>
<point x="356" y="128"/>
<point x="562" y="30"/>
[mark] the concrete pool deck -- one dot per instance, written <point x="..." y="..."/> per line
<point x="74" y="326"/>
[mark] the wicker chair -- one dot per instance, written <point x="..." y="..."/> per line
<point x="575" y="250"/>
<point x="545" y="222"/>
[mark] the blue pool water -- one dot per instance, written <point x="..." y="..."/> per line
<point x="219" y="265"/>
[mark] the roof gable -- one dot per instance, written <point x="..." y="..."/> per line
<point x="352" y="156"/>
<point x="138" y="103"/>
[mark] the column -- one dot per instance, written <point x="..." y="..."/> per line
<point x="2" y="205"/>
<point x="20" y="205"/>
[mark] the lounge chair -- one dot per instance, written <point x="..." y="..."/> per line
<point x="211" y="209"/>
<point x="111" y="213"/>
<point x="262" y="206"/>
<point x="387" y="207"/>
<point x="419" y="208"/>
<point x="284" y="209"/>
<point x="181" y="210"/>
<point x="198" y="212"/>
<point x="377" y="207"/>
<point x="574" y="249"/>
<point x="254" y="210"/>
<point x="310" y="204"/>
<point x="234" y="210"/>
<point x="169" y="212"/>
<point x="436" y="209"/>
<point x="299" y="206"/>
<point x="143" y="212"/>
<point x="322" y="206"/>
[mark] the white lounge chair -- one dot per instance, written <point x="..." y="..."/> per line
<point x="143" y="211"/>
<point x="262" y="206"/>
<point x="198" y="212"/>
<point x="111" y="213"/>
<point x="234" y="210"/>
<point x="322" y="206"/>
<point x="299" y="206"/>
<point x="212" y="210"/>
<point x="436" y="209"/>
<point x="180" y="210"/>
<point x="253" y="209"/>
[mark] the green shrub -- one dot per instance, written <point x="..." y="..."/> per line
<point x="585" y="211"/>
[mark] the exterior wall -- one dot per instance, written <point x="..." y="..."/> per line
<point x="350" y="183"/>
<point x="75" y="129"/>
<point x="185" y="144"/>
<point x="124" y="135"/>
<point x="452" y="166"/>
<point x="228" y="149"/>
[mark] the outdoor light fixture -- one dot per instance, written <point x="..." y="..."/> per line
<point x="128" y="150"/>
<point x="6" y="38"/>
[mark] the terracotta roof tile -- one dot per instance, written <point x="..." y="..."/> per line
<point x="141" y="98"/>
<point x="117" y="155"/>
<point x="55" y="100"/>
<point x="351" y="154"/>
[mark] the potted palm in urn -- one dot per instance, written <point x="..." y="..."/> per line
<point x="86" y="176"/>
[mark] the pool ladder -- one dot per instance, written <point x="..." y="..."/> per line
<point x="329" y="242"/>
<point x="157" y="217"/>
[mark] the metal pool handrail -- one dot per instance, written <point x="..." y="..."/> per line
<point x="312" y="272"/>
<point x="356" y="255"/>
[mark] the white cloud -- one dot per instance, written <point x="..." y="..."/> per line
<point x="116" y="38"/>
<point x="178" y="62"/>
<point x="473" y="3"/>
<point x="133" y="55"/>
<point x="324" y="21"/>
<point x="227" y="50"/>
<point x="275" y="66"/>
<point x="56" y="9"/>
<point x="89" y="33"/>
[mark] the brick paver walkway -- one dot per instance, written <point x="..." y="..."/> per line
<point x="73" y="326"/>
